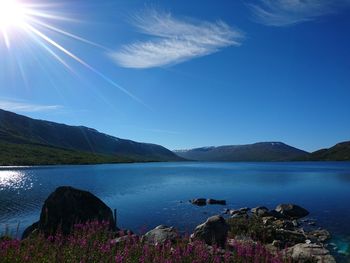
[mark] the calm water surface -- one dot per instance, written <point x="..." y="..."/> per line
<point x="147" y="195"/>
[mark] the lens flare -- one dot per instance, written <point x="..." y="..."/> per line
<point x="17" y="16"/>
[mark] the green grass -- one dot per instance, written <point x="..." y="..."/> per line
<point x="36" y="154"/>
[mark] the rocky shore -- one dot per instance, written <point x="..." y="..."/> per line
<point x="282" y="230"/>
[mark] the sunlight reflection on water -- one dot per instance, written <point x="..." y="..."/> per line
<point x="14" y="180"/>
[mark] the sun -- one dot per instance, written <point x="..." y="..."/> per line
<point x="32" y="19"/>
<point x="12" y="14"/>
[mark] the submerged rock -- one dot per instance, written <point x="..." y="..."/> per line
<point x="291" y="211"/>
<point x="216" y="202"/>
<point x="67" y="206"/>
<point x="160" y="234"/>
<point x="199" y="201"/>
<point x="213" y="231"/>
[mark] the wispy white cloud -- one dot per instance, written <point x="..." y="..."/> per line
<point x="174" y="40"/>
<point x="26" y="107"/>
<point x="290" y="12"/>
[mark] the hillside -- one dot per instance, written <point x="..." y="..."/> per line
<point x="339" y="152"/>
<point x="263" y="151"/>
<point x="25" y="140"/>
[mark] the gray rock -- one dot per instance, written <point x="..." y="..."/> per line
<point x="283" y="224"/>
<point x="277" y="243"/>
<point x="260" y="211"/>
<point x="310" y="253"/>
<point x="240" y="214"/>
<point x="226" y="211"/>
<point x="160" y="234"/>
<point x="320" y="235"/>
<point x="234" y="211"/>
<point x="277" y="215"/>
<point x="199" y="201"/>
<point x="213" y="231"/>
<point x="295" y="223"/>
<point x="123" y="239"/>
<point x="289" y="237"/>
<point x="268" y="220"/>
<point x="291" y="211"/>
<point x="244" y="209"/>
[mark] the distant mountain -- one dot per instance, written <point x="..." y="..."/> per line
<point x="257" y="152"/>
<point x="29" y="141"/>
<point x="339" y="152"/>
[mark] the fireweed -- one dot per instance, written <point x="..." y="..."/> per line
<point x="94" y="242"/>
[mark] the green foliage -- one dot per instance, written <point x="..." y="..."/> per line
<point x="34" y="154"/>
<point x="93" y="242"/>
<point x="251" y="227"/>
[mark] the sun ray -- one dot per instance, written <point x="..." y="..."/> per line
<point x="25" y="17"/>
<point x="82" y="62"/>
<point x="57" y="57"/>
<point x="68" y="34"/>
<point x="6" y="38"/>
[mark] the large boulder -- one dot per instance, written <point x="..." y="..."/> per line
<point x="310" y="253"/>
<point x="67" y="206"/>
<point x="213" y="231"/>
<point x="30" y="230"/>
<point x="160" y="234"/>
<point x="291" y="211"/>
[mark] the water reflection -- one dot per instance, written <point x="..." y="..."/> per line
<point x="14" y="180"/>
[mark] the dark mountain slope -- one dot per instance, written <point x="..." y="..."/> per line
<point x="263" y="151"/>
<point x="339" y="152"/>
<point x="20" y="130"/>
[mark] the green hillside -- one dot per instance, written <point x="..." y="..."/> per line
<point x="26" y="141"/>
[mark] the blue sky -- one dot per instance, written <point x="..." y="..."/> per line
<point x="183" y="74"/>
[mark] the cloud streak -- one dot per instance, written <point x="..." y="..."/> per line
<point x="290" y="12"/>
<point x="174" y="40"/>
<point x="26" y="107"/>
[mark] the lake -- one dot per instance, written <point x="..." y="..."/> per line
<point x="146" y="195"/>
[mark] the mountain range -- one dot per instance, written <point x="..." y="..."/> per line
<point x="262" y="151"/>
<point x="265" y="152"/>
<point x="25" y="141"/>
